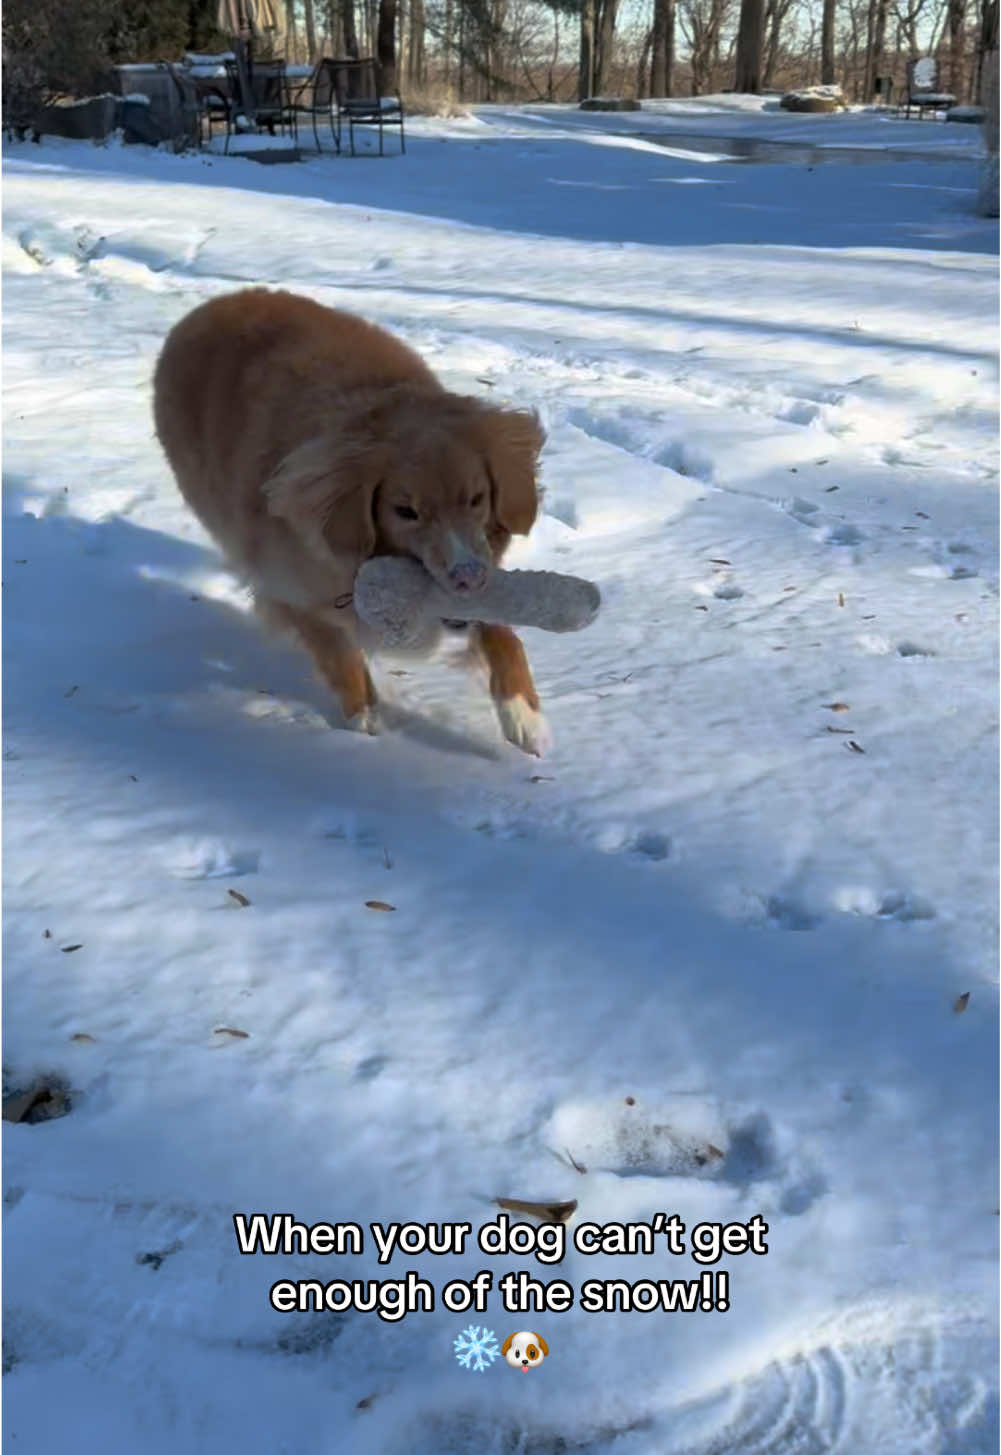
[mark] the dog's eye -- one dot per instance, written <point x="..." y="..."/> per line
<point x="406" y="512"/>
<point x="477" y="500"/>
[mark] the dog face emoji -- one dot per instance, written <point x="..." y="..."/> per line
<point x="524" y="1351"/>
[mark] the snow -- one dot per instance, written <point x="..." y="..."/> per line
<point x="732" y="913"/>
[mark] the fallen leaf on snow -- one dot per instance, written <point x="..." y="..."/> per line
<point x="241" y="899"/>
<point x="379" y="904"/>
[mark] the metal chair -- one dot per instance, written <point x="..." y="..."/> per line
<point x="360" y="101"/>
<point x="259" y="91"/>
<point x="922" y="88"/>
<point x="317" y="99"/>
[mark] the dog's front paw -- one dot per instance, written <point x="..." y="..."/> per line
<point x="524" y="726"/>
<point x="366" y="721"/>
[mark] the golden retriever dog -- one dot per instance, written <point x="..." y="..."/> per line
<point x="307" y="440"/>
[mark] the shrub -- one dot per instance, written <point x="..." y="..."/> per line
<point x="52" y="49"/>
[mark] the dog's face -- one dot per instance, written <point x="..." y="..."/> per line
<point x="437" y="506"/>
<point x="524" y="1351"/>
<point x="445" y="479"/>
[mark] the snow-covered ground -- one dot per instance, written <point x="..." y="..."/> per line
<point x="734" y="910"/>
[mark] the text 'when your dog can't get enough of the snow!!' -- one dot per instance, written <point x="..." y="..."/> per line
<point x="394" y="1298"/>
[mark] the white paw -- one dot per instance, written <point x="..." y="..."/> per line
<point x="524" y="726"/>
<point x="366" y="721"/>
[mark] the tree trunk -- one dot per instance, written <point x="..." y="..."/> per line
<point x="415" y="59"/>
<point x="585" y="74"/>
<point x="448" y="42"/>
<point x="748" y="69"/>
<point x="642" y="68"/>
<point x="986" y="45"/>
<point x="868" y="79"/>
<point x="956" y="23"/>
<point x="662" y="55"/>
<point x="350" y="32"/>
<point x="550" y="83"/>
<point x="827" y="72"/>
<point x="291" y="38"/>
<point x="775" y="14"/>
<point x="463" y="28"/>
<point x="310" y="20"/>
<point x="605" y="41"/>
<point x="385" y="44"/>
<point x="496" y="19"/>
<point x="879" y="42"/>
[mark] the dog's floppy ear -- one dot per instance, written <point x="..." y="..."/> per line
<point x="507" y="1343"/>
<point x="542" y="1344"/>
<point x="512" y="439"/>
<point x="325" y="489"/>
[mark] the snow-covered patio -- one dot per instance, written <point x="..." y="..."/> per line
<point x="736" y="910"/>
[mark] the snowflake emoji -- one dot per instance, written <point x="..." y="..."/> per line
<point x="476" y="1348"/>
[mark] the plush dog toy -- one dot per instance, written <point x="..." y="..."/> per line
<point x="397" y="597"/>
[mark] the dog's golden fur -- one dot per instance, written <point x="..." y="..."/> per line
<point x="306" y="440"/>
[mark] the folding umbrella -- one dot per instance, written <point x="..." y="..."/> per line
<point x="244" y="21"/>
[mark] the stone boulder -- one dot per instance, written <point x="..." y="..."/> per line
<point x="816" y="99"/>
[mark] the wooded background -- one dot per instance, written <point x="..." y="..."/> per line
<point x="441" y="51"/>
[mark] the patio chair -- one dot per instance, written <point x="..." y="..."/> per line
<point x="187" y="130"/>
<point x="317" y="99"/>
<point x="360" y="101"/>
<point x="259" y="91"/>
<point x="922" y="88"/>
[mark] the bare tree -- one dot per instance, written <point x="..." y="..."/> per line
<point x="605" y="40"/>
<point x="987" y="46"/>
<point x="309" y="18"/>
<point x="875" y="47"/>
<point x="956" y="25"/>
<point x="702" y="24"/>
<point x="662" y="48"/>
<point x="385" y="44"/>
<point x="350" y="32"/>
<point x="776" y="12"/>
<point x="416" y="62"/>
<point x="588" y="27"/>
<point x="643" y="65"/>
<point x="827" y="72"/>
<point x="908" y="13"/>
<point x="750" y="36"/>
<point x="534" y="38"/>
